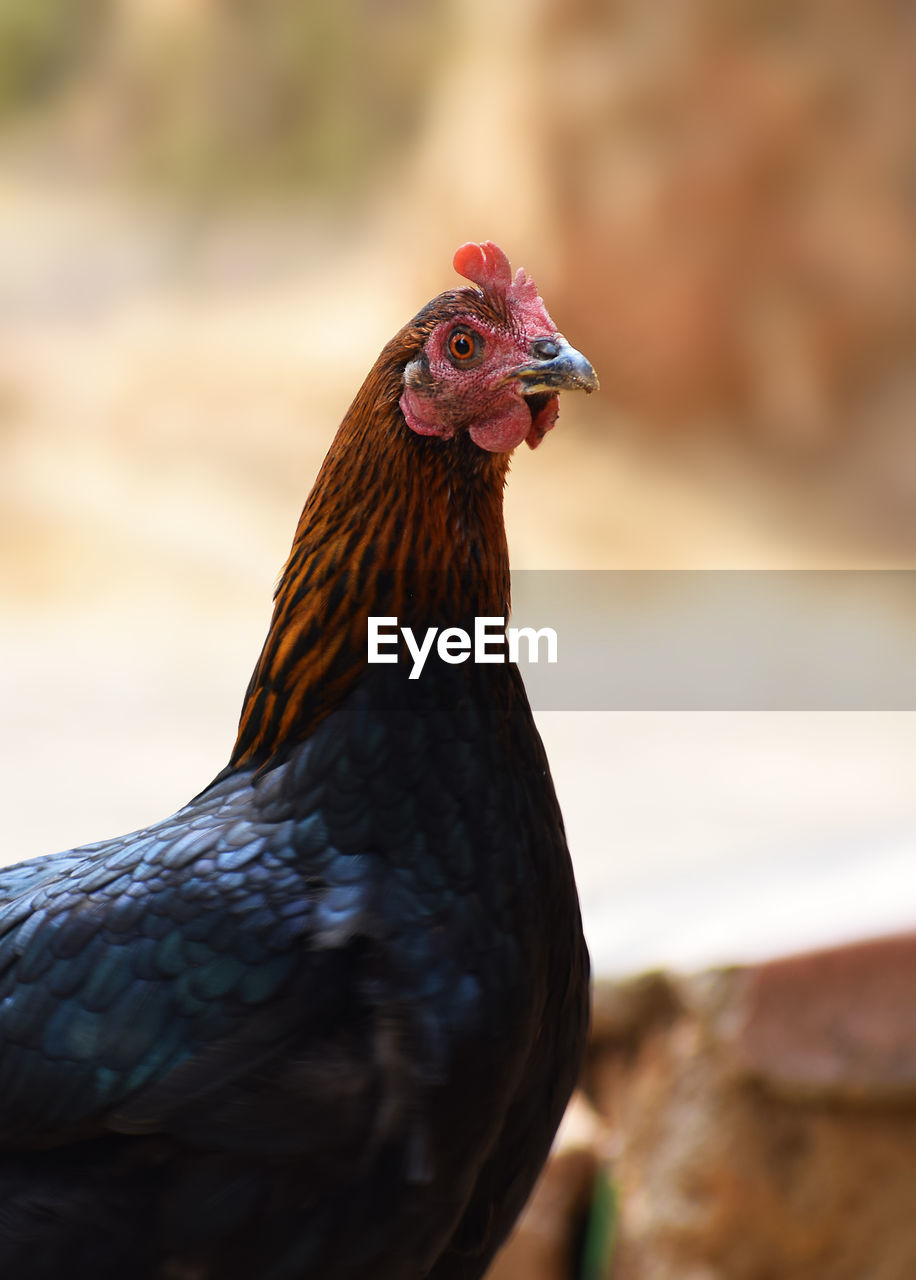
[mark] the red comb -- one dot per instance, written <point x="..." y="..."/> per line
<point x="488" y="267"/>
<point x="485" y="265"/>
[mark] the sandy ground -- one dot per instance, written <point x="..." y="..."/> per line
<point x="163" y="408"/>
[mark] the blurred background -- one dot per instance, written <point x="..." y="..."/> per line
<point x="213" y="213"/>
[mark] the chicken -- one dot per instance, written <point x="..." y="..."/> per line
<point x="324" y="1020"/>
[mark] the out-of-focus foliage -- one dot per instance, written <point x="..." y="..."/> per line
<point x="42" y="44"/>
<point x="279" y="94"/>
<point x="227" y="95"/>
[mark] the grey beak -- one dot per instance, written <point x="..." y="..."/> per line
<point x="557" y="367"/>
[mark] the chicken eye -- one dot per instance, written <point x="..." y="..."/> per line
<point x="463" y="345"/>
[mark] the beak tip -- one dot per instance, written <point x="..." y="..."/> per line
<point x="587" y="380"/>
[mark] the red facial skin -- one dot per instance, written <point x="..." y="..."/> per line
<point x="480" y="395"/>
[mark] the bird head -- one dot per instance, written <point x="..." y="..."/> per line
<point x="492" y="361"/>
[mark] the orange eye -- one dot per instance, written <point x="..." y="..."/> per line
<point x="462" y="345"/>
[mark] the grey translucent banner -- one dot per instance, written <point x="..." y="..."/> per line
<point x="833" y="640"/>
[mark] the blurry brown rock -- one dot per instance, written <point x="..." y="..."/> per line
<point x="766" y="1125"/>
<point x="837" y="1024"/>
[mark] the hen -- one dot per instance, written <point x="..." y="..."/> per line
<point x="324" y="1020"/>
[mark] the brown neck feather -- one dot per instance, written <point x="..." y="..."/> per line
<point x="396" y="525"/>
